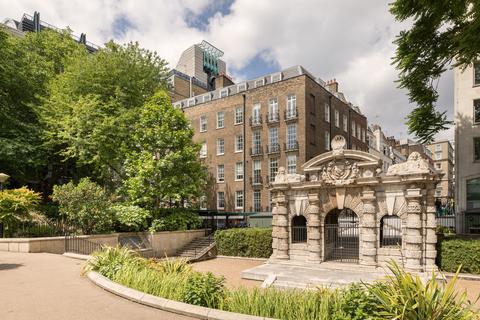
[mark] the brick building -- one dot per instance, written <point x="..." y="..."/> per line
<point x="250" y="129"/>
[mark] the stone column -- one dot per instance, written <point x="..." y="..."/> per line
<point x="274" y="227"/>
<point x="430" y="231"/>
<point x="413" y="238"/>
<point x="281" y="224"/>
<point x="313" y="231"/>
<point x="368" y="229"/>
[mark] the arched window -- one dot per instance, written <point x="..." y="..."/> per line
<point x="299" y="229"/>
<point x="390" y="231"/>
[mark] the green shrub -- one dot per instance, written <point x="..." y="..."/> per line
<point x="405" y="296"/>
<point x="85" y="205"/>
<point x="245" y="242"/>
<point x="456" y="251"/>
<point x="204" y="289"/>
<point x="130" y="217"/>
<point x="357" y="303"/>
<point x="175" y="219"/>
<point x="16" y="205"/>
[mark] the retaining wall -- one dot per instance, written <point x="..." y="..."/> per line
<point x="163" y="243"/>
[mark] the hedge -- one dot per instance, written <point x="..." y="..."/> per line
<point x="455" y="251"/>
<point x="245" y="242"/>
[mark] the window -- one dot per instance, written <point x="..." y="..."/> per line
<point x="220" y="173"/>
<point x="223" y="93"/>
<point x="257" y="200"/>
<point x="207" y="97"/>
<point x="390" y="231"/>
<point x="313" y="104"/>
<point x="220" y="146"/>
<point x="220" y="119"/>
<point x="476" y="74"/>
<point x="313" y="134"/>
<point x="291" y="107"/>
<point x="438" y="165"/>
<point x="345" y="123"/>
<point x="337" y="119"/>
<point x="242" y="87"/>
<point x="191" y="102"/>
<point x="276" y="77"/>
<point x="273" y="110"/>
<point x="203" y="123"/>
<point x="273" y="168"/>
<point x="438" y="147"/>
<point x="363" y="135"/>
<point x="259" y="83"/>
<point x="221" y="200"/>
<point x="273" y="145"/>
<point x="292" y="164"/>
<point x="257" y="142"/>
<point x="359" y="135"/>
<point x="473" y="194"/>
<point x="239" y="143"/>
<point x="476" y="111"/>
<point x="327" y="112"/>
<point x="476" y="148"/>
<point x="291" y="136"/>
<point x="203" y="150"/>
<point x="239" y="171"/>
<point x="238" y="115"/>
<point x="438" y="155"/>
<point x="239" y="199"/>
<point x="299" y="229"/>
<point x="353" y="128"/>
<point x="327" y="140"/>
<point x="257" y="171"/>
<point x="256" y="114"/>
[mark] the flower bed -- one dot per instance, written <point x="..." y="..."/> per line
<point x="402" y="296"/>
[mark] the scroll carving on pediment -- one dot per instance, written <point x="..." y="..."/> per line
<point x="340" y="172"/>
<point x="415" y="164"/>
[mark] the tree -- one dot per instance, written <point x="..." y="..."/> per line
<point x="93" y="105"/>
<point x="27" y="65"/>
<point x="443" y="32"/>
<point x="86" y="205"/>
<point x="16" y="205"/>
<point x="163" y="168"/>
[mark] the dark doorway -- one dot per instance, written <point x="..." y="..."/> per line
<point x="299" y="229"/>
<point x="342" y="236"/>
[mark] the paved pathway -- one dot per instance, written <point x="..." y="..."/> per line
<point x="49" y="287"/>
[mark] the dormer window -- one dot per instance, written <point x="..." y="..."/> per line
<point x="224" y="93"/>
<point x="242" y="87"/>
<point x="259" y="82"/>
<point x="276" y="77"/>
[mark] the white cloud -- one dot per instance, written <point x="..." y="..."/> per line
<point x="348" y="40"/>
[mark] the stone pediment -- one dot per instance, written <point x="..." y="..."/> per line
<point x="342" y="166"/>
<point x="415" y="165"/>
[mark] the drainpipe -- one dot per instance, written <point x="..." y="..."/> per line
<point x="244" y="127"/>
<point x="330" y="120"/>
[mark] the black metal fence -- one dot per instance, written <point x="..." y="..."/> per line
<point x="390" y="231"/>
<point x="34" y="229"/>
<point x="463" y="223"/>
<point x="80" y="245"/>
<point x="299" y="234"/>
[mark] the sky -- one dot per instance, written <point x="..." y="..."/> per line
<point x="348" y="40"/>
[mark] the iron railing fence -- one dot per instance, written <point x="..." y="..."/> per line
<point x="299" y="234"/>
<point x="342" y="242"/>
<point x="35" y="229"/>
<point x="391" y="231"/>
<point x="80" y="245"/>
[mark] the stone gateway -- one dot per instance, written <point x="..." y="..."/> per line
<point x="345" y="209"/>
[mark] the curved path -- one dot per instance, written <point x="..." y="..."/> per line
<point x="49" y="286"/>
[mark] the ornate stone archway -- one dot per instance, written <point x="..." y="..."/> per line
<point x="353" y="179"/>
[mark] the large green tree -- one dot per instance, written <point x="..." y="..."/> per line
<point x="442" y="33"/>
<point x="27" y="64"/>
<point x="94" y="103"/>
<point x="163" y="167"/>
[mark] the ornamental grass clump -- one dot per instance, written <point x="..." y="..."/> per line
<point x="404" y="296"/>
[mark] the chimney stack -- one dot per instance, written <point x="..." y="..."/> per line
<point x="332" y="85"/>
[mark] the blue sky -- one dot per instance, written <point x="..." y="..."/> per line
<point x="348" y="40"/>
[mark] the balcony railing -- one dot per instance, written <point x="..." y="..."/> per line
<point x="272" y="117"/>
<point x="256" y="151"/>
<point x="255" y="121"/>
<point x="273" y="148"/>
<point x="256" y="180"/>
<point x="291" y="145"/>
<point x="291" y="114"/>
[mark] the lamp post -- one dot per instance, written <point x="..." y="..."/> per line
<point x="3" y="178"/>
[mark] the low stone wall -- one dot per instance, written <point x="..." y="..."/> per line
<point x="163" y="243"/>
<point x="168" y="243"/>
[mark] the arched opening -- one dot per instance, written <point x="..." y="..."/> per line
<point x="390" y="231"/>
<point x="299" y="229"/>
<point x="341" y="236"/>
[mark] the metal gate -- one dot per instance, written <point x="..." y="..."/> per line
<point x="341" y="236"/>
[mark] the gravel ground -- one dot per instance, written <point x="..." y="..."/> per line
<point x="230" y="269"/>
